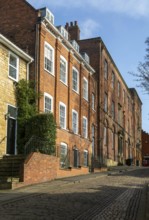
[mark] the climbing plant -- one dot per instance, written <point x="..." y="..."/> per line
<point x="30" y="123"/>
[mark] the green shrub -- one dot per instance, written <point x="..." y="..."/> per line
<point x="31" y="124"/>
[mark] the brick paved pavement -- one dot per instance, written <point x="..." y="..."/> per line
<point x="92" y="197"/>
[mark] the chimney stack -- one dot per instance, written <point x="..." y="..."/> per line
<point x="73" y="30"/>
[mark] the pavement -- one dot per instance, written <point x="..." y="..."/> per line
<point x="119" y="194"/>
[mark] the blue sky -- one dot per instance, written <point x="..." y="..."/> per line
<point x="123" y="26"/>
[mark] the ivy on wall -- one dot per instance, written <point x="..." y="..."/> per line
<point x="30" y="123"/>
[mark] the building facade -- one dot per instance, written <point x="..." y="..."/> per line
<point x="14" y="65"/>
<point x="118" y="131"/>
<point x="81" y="85"/>
<point x="63" y="77"/>
<point x="145" y="148"/>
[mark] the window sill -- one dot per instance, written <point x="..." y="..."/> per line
<point x="77" y="92"/>
<point x="65" y="84"/>
<point x="13" y="79"/>
<point x="85" y="99"/>
<point x="52" y="74"/>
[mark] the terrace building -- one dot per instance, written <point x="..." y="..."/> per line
<point x="81" y="85"/>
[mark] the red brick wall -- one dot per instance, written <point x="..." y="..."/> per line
<point x="145" y="143"/>
<point x="72" y="172"/>
<point x="64" y="93"/>
<point x="40" y="168"/>
<point x="18" y="20"/>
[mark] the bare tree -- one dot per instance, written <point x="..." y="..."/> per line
<point x="142" y="74"/>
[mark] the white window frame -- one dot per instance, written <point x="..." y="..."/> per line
<point x="65" y="148"/>
<point x="51" y="98"/>
<point x="93" y="101"/>
<point x="76" y="90"/>
<point x="63" y="105"/>
<point x="16" y="68"/>
<point x="53" y="55"/>
<point x="85" y="158"/>
<point x="62" y="59"/>
<point x="73" y="128"/>
<point x="85" y="88"/>
<point x="85" y="128"/>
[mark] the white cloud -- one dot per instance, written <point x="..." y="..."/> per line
<point x="89" y="28"/>
<point x="130" y="7"/>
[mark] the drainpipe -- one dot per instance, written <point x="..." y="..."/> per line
<point x="37" y="64"/>
<point x="99" y="108"/>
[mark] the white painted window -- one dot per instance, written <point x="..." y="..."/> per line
<point x="85" y="88"/>
<point x="63" y="70"/>
<point x="12" y="112"/>
<point x="62" y="115"/>
<point x="85" y="130"/>
<point x="63" y="155"/>
<point x="93" y="101"/>
<point x="13" y="66"/>
<point x="85" y="158"/>
<point x="48" y="103"/>
<point x="75" y="121"/>
<point x="49" y="58"/>
<point x="75" y="80"/>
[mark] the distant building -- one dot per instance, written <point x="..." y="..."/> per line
<point x="145" y="148"/>
<point x="81" y="85"/>
<point x="14" y="65"/>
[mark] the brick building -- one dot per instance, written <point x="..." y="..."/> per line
<point x="145" y="148"/>
<point x="14" y="64"/>
<point x="81" y="85"/>
<point x="119" y="129"/>
<point x="62" y="75"/>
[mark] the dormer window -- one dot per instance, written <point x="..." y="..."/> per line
<point x="46" y="13"/>
<point x="63" y="32"/>
<point x="75" y="45"/>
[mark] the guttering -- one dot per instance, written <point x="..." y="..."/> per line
<point x="15" y="49"/>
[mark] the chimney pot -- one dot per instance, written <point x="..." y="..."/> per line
<point x="76" y="23"/>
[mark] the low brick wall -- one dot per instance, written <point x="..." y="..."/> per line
<point x="40" y="168"/>
<point x="72" y="172"/>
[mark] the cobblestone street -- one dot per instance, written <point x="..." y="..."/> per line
<point x="107" y="196"/>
